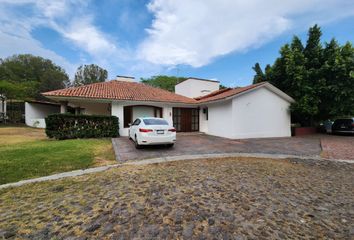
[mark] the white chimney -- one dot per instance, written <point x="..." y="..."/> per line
<point x="125" y="78"/>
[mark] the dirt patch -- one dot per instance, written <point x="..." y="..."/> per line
<point x="14" y="135"/>
<point x="104" y="155"/>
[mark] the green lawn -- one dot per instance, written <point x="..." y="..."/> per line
<point x="26" y="153"/>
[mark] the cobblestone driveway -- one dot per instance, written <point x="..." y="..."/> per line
<point x="206" y="144"/>
<point x="204" y="199"/>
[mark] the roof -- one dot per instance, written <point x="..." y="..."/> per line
<point x="227" y="92"/>
<point x="43" y="102"/>
<point x="125" y="76"/>
<point x="199" y="79"/>
<point x="134" y="91"/>
<point x="231" y="92"/>
<point x="120" y="90"/>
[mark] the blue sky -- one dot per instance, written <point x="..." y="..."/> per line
<point x="215" y="39"/>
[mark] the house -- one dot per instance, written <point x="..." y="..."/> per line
<point x="3" y="116"/>
<point x="259" y="110"/>
<point x="36" y="111"/>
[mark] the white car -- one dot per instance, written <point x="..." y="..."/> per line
<point x="152" y="131"/>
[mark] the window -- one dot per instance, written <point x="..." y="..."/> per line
<point x="195" y="119"/>
<point x="136" y="122"/>
<point x="177" y="118"/>
<point x="127" y="115"/>
<point x="153" y="121"/>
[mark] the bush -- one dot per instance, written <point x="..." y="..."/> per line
<point x="68" y="126"/>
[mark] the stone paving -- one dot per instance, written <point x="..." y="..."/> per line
<point x="235" y="198"/>
<point x="192" y="144"/>
<point x="338" y="147"/>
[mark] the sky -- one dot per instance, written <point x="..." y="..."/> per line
<point x="213" y="39"/>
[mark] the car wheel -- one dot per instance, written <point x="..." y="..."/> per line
<point x="170" y="145"/>
<point x="137" y="146"/>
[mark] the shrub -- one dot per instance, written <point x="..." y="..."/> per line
<point x="67" y="126"/>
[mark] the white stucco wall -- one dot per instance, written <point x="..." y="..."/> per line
<point x="92" y="108"/>
<point x="142" y="111"/>
<point x="138" y="111"/>
<point x="220" y="119"/>
<point x="195" y="88"/>
<point x="203" y="122"/>
<point x="35" y="113"/>
<point x="3" y="106"/>
<point x="256" y="114"/>
<point x="96" y="109"/>
<point x="260" y="113"/>
<point x="167" y="114"/>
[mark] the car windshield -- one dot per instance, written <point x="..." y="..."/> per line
<point x="153" y="121"/>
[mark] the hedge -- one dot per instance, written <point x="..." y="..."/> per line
<point x="68" y="126"/>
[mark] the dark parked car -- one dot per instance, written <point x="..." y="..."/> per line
<point x="343" y="125"/>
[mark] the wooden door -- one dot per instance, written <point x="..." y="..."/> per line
<point x="186" y="119"/>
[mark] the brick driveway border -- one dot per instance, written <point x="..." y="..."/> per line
<point x="195" y="144"/>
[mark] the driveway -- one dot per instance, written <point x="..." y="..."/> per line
<point x="196" y="143"/>
<point x="337" y="147"/>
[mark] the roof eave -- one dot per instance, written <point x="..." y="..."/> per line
<point x="266" y="84"/>
<point x="67" y="98"/>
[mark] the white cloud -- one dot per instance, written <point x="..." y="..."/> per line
<point x="69" y="18"/>
<point x="86" y="36"/>
<point x="182" y="32"/>
<point x="14" y="44"/>
<point x="195" y="32"/>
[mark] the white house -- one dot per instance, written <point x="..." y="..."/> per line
<point x="36" y="111"/>
<point x="197" y="87"/>
<point x="259" y="110"/>
<point x="2" y="108"/>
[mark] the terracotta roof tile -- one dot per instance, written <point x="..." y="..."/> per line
<point x="120" y="90"/>
<point x="224" y="93"/>
<point x="134" y="91"/>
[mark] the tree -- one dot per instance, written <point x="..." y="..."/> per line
<point x="87" y="74"/>
<point x="222" y="87"/>
<point x="11" y="90"/>
<point x="32" y="74"/>
<point x="319" y="77"/>
<point x="259" y="76"/>
<point x="165" y="82"/>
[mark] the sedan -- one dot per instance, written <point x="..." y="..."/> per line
<point x="343" y="125"/>
<point x="152" y="131"/>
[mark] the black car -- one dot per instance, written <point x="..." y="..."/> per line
<point x="343" y="125"/>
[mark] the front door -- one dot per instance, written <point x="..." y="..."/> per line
<point x="186" y="119"/>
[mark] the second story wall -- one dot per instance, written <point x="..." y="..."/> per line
<point x="193" y="87"/>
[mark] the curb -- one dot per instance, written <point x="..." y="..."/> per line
<point x="76" y="173"/>
<point x="115" y="148"/>
<point x="226" y="155"/>
<point x="60" y="176"/>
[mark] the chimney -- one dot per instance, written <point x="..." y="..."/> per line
<point x="125" y="78"/>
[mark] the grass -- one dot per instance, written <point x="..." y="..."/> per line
<point x="27" y="153"/>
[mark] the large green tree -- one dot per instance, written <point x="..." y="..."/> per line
<point x="320" y="77"/>
<point x="87" y="74"/>
<point x="30" y="75"/>
<point x="165" y="82"/>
